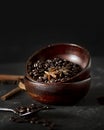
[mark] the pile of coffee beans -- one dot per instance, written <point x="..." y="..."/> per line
<point x="33" y="118"/>
<point x="24" y="109"/>
<point x="33" y="108"/>
<point x="53" y="70"/>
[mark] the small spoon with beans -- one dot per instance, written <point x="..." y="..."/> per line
<point x="25" y="111"/>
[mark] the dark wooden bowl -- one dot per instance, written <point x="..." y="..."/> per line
<point x="69" y="92"/>
<point x="58" y="93"/>
<point x="68" y="51"/>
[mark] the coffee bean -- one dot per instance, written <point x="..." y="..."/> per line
<point x="56" y="70"/>
<point x="33" y="118"/>
<point x="35" y="65"/>
<point x="28" y="109"/>
<point x="52" y="80"/>
<point x="31" y="121"/>
<point x="40" y="79"/>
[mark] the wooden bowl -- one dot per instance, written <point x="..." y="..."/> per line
<point x="68" y="51"/>
<point x="69" y="92"/>
<point x="58" y="93"/>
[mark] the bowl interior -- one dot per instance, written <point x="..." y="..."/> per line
<point x="71" y="52"/>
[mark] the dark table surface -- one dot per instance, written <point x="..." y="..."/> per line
<point x="88" y="114"/>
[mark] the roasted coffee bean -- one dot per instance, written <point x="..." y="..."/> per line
<point x="33" y="118"/>
<point x="52" y="80"/>
<point x="48" y="61"/>
<point x="63" y="79"/>
<point x="40" y="79"/>
<point x="35" y="65"/>
<point x="21" y="110"/>
<point x="28" y="109"/>
<point x="53" y="70"/>
<point x="18" y="119"/>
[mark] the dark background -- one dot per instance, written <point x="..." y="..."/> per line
<point x="17" y="43"/>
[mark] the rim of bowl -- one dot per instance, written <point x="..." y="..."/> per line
<point x="58" y="83"/>
<point x="58" y="44"/>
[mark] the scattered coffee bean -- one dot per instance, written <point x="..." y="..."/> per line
<point x="53" y="70"/>
<point x="34" y="118"/>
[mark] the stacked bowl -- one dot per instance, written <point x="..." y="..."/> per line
<point x="63" y="93"/>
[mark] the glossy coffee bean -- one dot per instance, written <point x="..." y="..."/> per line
<point x="53" y="70"/>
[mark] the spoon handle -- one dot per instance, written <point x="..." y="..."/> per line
<point x="7" y="109"/>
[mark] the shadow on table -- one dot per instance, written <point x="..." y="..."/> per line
<point x="94" y="97"/>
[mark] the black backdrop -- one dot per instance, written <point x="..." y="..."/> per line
<point x="17" y="44"/>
